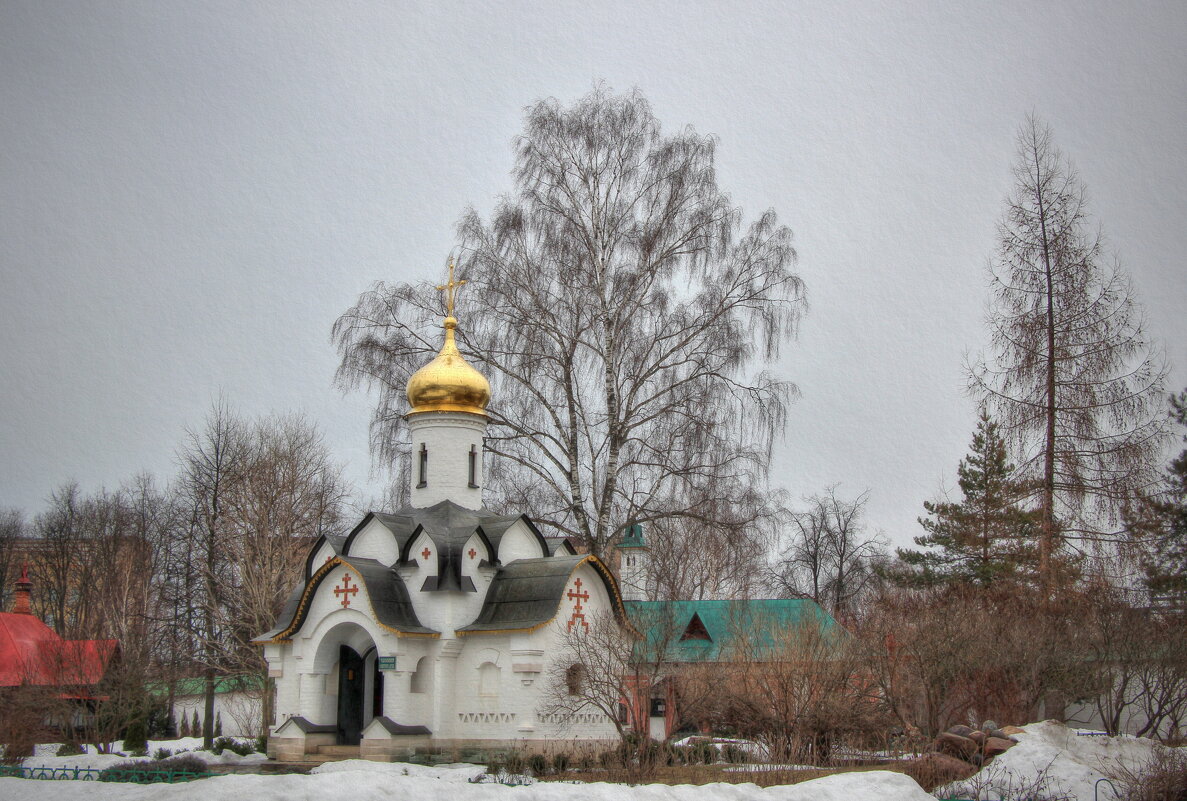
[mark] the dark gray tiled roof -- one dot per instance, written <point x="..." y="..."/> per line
<point x="556" y="543"/>
<point x="310" y="728"/>
<point x="525" y="594"/>
<point x="287" y="613"/>
<point x="399" y="728"/>
<point x="450" y="527"/>
<point x="385" y="588"/>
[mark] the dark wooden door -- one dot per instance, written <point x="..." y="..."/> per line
<point x="350" y="696"/>
<point x="377" y="700"/>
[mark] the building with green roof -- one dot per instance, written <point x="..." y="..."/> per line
<point x="673" y="634"/>
<point x="714" y="631"/>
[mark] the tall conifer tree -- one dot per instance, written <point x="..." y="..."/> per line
<point x="985" y="537"/>
<point x="1162" y="518"/>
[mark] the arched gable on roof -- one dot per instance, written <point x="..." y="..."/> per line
<point x="526" y="594"/>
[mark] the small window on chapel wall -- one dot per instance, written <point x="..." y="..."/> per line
<point x="574" y="675"/>
<point x="474" y="466"/>
<point x="422" y="466"/>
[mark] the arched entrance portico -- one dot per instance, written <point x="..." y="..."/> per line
<point x="347" y="654"/>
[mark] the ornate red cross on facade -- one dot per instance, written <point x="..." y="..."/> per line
<point x="426" y="553"/>
<point x="473" y="553"/>
<point x="346" y="590"/>
<point x="578" y="596"/>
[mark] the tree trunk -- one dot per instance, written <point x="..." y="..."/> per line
<point x="208" y="723"/>
<point x="1047" y="532"/>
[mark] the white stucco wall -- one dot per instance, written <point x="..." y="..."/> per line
<point x="633" y="571"/>
<point x="519" y="543"/>
<point x="449" y="437"/>
<point x="375" y="542"/>
<point x="524" y="663"/>
<point x="239" y="711"/>
<point x="325" y="552"/>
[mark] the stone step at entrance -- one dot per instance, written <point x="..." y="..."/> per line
<point x="335" y="752"/>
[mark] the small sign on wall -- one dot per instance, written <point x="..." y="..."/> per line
<point x="387" y="663"/>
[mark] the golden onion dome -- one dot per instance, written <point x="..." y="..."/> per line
<point x="448" y="383"/>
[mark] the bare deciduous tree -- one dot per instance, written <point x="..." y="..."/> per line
<point x="259" y="494"/>
<point x="1072" y="377"/>
<point x="12" y="531"/>
<point x="291" y="493"/>
<point x="797" y="691"/>
<point x="692" y="561"/>
<point x="1137" y="665"/>
<point x="213" y="461"/>
<point x="611" y="670"/>
<point x="960" y="653"/>
<point x="622" y="312"/>
<point x="830" y="557"/>
<point x="94" y="564"/>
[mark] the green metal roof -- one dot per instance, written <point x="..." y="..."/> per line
<point x="759" y="626"/>
<point x="196" y="685"/>
<point x="633" y="538"/>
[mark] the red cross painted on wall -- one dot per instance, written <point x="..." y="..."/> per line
<point x="577" y="596"/>
<point x="426" y="553"/>
<point x="473" y="553"/>
<point x="346" y="590"/>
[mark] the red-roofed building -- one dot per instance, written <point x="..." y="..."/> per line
<point x="33" y="655"/>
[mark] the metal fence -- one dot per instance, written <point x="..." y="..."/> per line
<point x="138" y="775"/>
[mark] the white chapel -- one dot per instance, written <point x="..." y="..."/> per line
<point x="434" y="626"/>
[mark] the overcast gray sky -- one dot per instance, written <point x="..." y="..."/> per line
<point x="192" y="192"/>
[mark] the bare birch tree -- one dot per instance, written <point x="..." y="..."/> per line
<point x="1071" y="377"/>
<point x="622" y="312"/>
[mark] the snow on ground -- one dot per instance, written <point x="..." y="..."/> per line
<point x="387" y="781"/>
<point x="453" y="772"/>
<point x="44" y="754"/>
<point x="1055" y="760"/>
<point x="756" y="750"/>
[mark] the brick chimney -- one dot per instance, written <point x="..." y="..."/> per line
<point x="24" y="588"/>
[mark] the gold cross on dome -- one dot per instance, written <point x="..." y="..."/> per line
<point x="450" y="290"/>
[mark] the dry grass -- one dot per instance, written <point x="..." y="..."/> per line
<point x="1163" y="778"/>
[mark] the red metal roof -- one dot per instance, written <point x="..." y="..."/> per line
<point x="32" y="653"/>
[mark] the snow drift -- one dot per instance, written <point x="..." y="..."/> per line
<point x="375" y="781"/>
<point x="1056" y="761"/>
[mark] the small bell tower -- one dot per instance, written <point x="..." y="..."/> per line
<point x="634" y="557"/>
